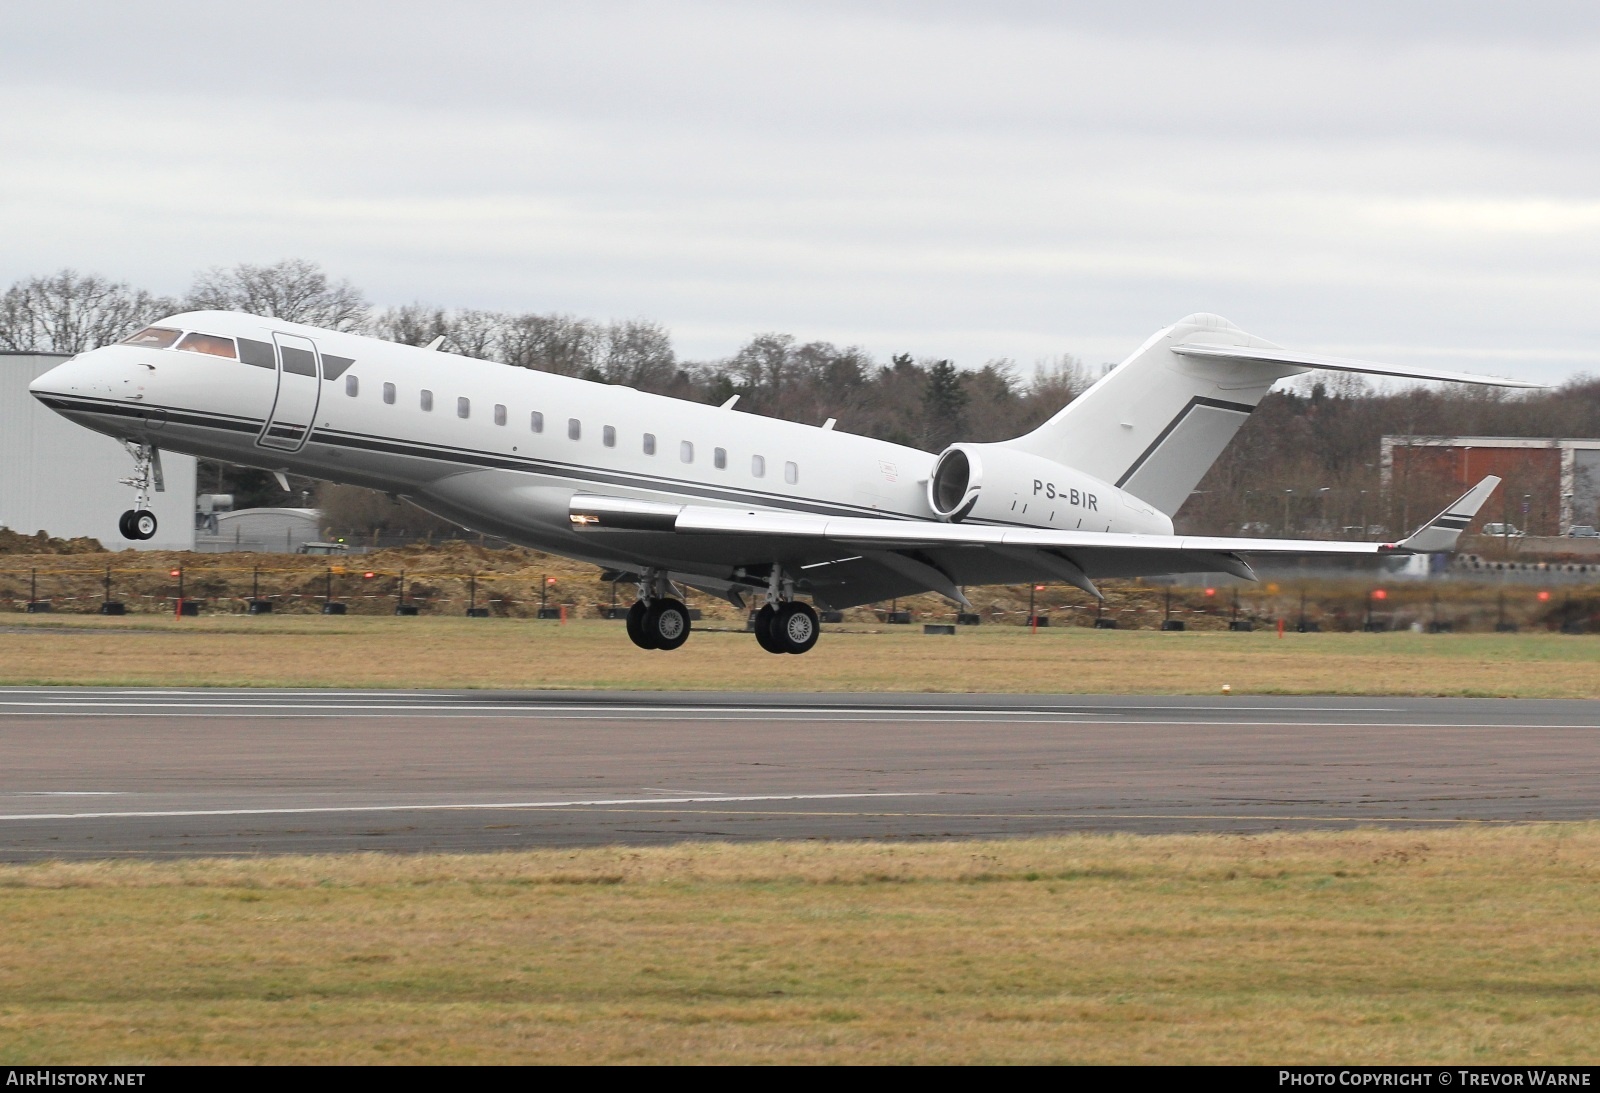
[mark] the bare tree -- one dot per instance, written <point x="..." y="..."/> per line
<point x="411" y="324"/>
<point x="69" y="312"/>
<point x="639" y="354"/>
<point x="294" y="289"/>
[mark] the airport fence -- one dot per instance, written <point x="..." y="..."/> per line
<point x="124" y="585"/>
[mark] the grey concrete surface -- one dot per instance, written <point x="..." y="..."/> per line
<point x="95" y="773"/>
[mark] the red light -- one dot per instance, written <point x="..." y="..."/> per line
<point x="1379" y="594"/>
<point x="369" y="574"/>
<point x="549" y="580"/>
<point x="1544" y="595"/>
<point x="1038" y="588"/>
<point x="175" y="572"/>
<point x="1211" y="592"/>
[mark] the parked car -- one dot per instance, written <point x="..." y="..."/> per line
<point x="1504" y="530"/>
<point x="1583" y="531"/>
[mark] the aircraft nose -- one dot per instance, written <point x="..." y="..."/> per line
<point x="57" y="381"/>
<point x="74" y="375"/>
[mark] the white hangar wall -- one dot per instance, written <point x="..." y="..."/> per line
<point x="61" y="478"/>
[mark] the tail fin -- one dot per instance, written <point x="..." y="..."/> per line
<point x="1154" y="425"/>
<point x="1442" y="531"/>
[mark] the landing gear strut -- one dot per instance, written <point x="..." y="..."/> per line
<point x="139" y="522"/>
<point x="657" y="619"/>
<point x="785" y="624"/>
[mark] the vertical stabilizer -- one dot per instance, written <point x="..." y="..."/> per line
<point x="1154" y="425"/>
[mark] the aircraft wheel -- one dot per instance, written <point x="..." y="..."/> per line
<point x="144" y="522"/>
<point x="766" y="636"/>
<point x="796" y="627"/>
<point x="125" y="525"/>
<point x="666" y="623"/>
<point x="636" y="632"/>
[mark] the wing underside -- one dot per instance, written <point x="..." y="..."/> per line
<point x="844" y="561"/>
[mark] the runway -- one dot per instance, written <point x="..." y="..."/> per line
<point x="99" y="773"/>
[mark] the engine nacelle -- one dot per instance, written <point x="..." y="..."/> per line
<point x="992" y="483"/>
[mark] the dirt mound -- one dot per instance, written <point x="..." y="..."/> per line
<point x="12" y="542"/>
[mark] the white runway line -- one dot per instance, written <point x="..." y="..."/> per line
<point x="470" y="807"/>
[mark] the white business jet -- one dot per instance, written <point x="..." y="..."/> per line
<point x="671" y="493"/>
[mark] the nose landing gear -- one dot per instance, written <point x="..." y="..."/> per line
<point x="139" y="523"/>
<point x="657" y="620"/>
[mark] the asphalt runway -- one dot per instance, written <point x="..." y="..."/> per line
<point x="98" y="773"/>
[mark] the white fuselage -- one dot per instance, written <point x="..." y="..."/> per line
<point x="498" y="449"/>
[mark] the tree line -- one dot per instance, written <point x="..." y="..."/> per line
<point x="1306" y="462"/>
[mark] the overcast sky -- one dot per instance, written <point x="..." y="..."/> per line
<point x="1414" y="182"/>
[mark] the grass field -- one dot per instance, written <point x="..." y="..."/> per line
<point x="1457" y="945"/>
<point x="360" y="651"/>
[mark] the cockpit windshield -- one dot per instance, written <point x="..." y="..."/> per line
<point x="209" y="343"/>
<point x="153" y="337"/>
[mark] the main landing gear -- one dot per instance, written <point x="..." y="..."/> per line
<point x="139" y="522"/>
<point x="785" y="624"/>
<point x="657" y="619"/>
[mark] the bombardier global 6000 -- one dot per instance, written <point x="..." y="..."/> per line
<point x="675" y="494"/>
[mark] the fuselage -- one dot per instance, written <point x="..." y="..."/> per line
<point x="498" y="449"/>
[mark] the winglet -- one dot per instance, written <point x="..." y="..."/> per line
<point x="1442" y="531"/>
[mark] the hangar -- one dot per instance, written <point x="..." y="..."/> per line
<point x="1551" y="483"/>
<point x="60" y="478"/>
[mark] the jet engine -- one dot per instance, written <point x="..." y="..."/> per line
<point x="992" y="483"/>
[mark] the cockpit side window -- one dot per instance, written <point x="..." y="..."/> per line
<point x="153" y="337"/>
<point x="210" y="344"/>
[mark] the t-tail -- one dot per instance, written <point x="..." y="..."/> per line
<point x="1154" y="424"/>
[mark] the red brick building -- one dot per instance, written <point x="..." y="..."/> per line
<point x="1549" y="483"/>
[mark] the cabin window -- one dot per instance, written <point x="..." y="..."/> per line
<point x="352" y="386"/>
<point x="758" y="466"/>
<point x="686" y="451"/>
<point x="427" y="400"/>
<point x="257" y="353"/>
<point x="574" y="428"/>
<point x="536" y="422"/>
<point x="463" y="407"/>
<point x="152" y="337"/>
<point x="719" y="458"/>
<point x="608" y="436"/>
<point x="499" y="414"/>
<point x="209" y="344"/>
<point x="649" y="443"/>
<point x="388" y="393"/>
<point x="791" y="473"/>
<point x="299" y="362"/>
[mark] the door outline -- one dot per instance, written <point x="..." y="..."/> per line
<point x="295" y="401"/>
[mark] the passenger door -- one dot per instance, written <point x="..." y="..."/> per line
<point x="299" y="387"/>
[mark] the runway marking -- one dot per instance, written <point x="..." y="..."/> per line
<point x="1085" y="718"/>
<point x="1107" y="816"/>
<point x="471" y="806"/>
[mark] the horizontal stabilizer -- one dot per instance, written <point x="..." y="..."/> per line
<point x="1441" y="533"/>
<point x="1337" y="364"/>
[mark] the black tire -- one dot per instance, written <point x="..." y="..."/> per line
<point x="125" y="525"/>
<point x="764" y="631"/>
<point x="636" y="632"/>
<point x="666" y="623"/>
<point x="144" y="522"/>
<point x="796" y="627"/>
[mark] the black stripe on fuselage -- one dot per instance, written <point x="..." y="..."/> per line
<point x="1198" y="400"/>
<point x="578" y="472"/>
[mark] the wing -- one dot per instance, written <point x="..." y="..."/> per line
<point x="850" y="560"/>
